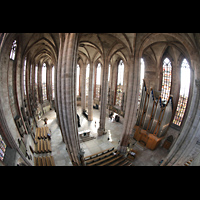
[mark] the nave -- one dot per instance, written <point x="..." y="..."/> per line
<point x="46" y="71"/>
<point x="144" y="156"/>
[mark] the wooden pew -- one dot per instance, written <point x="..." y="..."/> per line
<point x="39" y="146"/>
<point x="42" y="145"/>
<point x="102" y="160"/>
<point x="101" y="156"/>
<point x="113" y="158"/>
<point x="97" y="154"/>
<point x="39" y="161"/>
<point x="118" y="161"/>
<point x="52" y="161"/>
<point x="46" y="146"/>
<point x="42" y="132"/>
<point x="44" y="161"/>
<point x="49" y="145"/>
<point x="45" y="132"/>
<point x="48" y="161"/>
<point x="124" y="163"/>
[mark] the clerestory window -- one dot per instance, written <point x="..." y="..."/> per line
<point x="98" y="80"/>
<point x="120" y="80"/>
<point x="184" y="93"/>
<point x="44" y="76"/>
<point x="166" y="80"/>
<point x="13" y="50"/>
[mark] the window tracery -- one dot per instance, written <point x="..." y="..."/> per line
<point x="44" y="75"/>
<point x="98" y="80"/>
<point x="184" y="93"/>
<point x="166" y="80"/>
<point x="13" y="50"/>
<point x="77" y="80"/>
<point x="120" y="79"/>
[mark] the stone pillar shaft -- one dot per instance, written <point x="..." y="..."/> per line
<point x="83" y="82"/>
<point x="66" y="95"/>
<point x="104" y="93"/>
<point x="91" y="92"/>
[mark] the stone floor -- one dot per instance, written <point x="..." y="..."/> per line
<point x="145" y="157"/>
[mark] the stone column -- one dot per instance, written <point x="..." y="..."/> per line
<point x="66" y="97"/>
<point x="104" y="93"/>
<point x="131" y="104"/>
<point x="91" y="92"/>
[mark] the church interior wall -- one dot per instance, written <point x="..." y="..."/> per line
<point x="44" y="47"/>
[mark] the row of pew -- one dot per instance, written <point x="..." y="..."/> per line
<point x="42" y="133"/>
<point x="43" y="147"/>
<point x="44" y="161"/>
<point x="108" y="157"/>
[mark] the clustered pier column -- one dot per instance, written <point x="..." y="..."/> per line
<point x="104" y="93"/>
<point x="66" y="95"/>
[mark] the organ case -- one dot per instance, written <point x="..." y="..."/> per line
<point x="153" y="119"/>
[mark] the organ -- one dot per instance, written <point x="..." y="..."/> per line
<point x="153" y="118"/>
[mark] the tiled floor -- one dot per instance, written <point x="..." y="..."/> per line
<point x="145" y="157"/>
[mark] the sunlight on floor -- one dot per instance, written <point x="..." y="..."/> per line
<point x="49" y="121"/>
<point x="109" y="136"/>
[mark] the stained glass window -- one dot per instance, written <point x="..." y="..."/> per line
<point x="87" y="79"/>
<point x="108" y="82"/>
<point x="109" y="73"/>
<point x="24" y="75"/>
<point x="2" y="148"/>
<point x="44" y="76"/>
<point x="53" y="92"/>
<point x="166" y="81"/>
<point x="13" y="50"/>
<point x="120" y="79"/>
<point x="141" y="79"/>
<point x="36" y="81"/>
<point x="98" y="80"/>
<point x="184" y="93"/>
<point x="77" y="80"/>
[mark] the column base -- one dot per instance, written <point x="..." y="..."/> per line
<point x="101" y="131"/>
<point x="90" y="118"/>
<point x="122" y="149"/>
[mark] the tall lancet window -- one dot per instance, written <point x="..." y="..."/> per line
<point x="166" y="81"/>
<point x="36" y="81"/>
<point x="98" y="80"/>
<point x="24" y="75"/>
<point x="53" y="91"/>
<point x="141" y="78"/>
<point x="87" y="79"/>
<point x="120" y="80"/>
<point x="184" y="93"/>
<point x="77" y="80"/>
<point x="44" y="77"/>
<point x="13" y="50"/>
